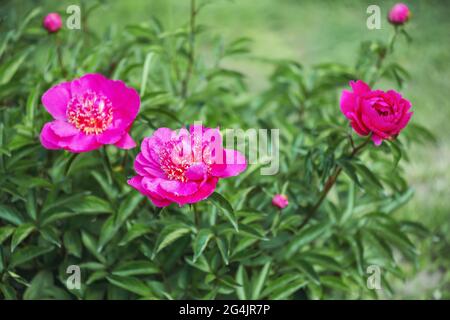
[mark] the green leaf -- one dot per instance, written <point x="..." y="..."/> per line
<point x="146" y="71"/>
<point x="200" y="242"/>
<point x="398" y="201"/>
<point x="42" y="281"/>
<point x="107" y="232"/>
<point x="225" y="207"/>
<point x="350" y="169"/>
<point x="131" y="284"/>
<point x="306" y="236"/>
<point x="223" y="248"/>
<point x="5" y="232"/>
<point x="11" y="215"/>
<point x="8" y="291"/>
<point x="20" y="234"/>
<point x="358" y="252"/>
<point x="334" y="282"/>
<point x="325" y="261"/>
<point x="128" y="206"/>
<point x="31" y="205"/>
<point x="91" y="204"/>
<point x="9" y="69"/>
<point x="32" y="104"/>
<point x="136" y="231"/>
<point x="242" y="280"/>
<point x="260" y="281"/>
<point x="168" y="235"/>
<point x="368" y="175"/>
<point x="90" y="244"/>
<point x="72" y="243"/>
<point x="134" y="268"/>
<point x="28" y="253"/>
<point x="308" y="270"/>
<point x="95" y="276"/>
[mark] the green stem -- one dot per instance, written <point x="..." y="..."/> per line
<point x="393" y="39"/>
<point x="196" y="215"/>
<point x="59" y="56"/>
<point x="107" y="164"/>
<point x="382" y="56"/>
<point x="69" y="163"/>
<point x="330" y="183"/>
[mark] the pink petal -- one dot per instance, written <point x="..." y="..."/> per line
<point x="83" y="143"/>
<point x="48" y="138"/>
<point x="55" y="100"/>
<point x="359" y="87"/>
<point x="125" y="101"/>
<point x="90" y="82"/>
<point x="348" y="102"/>
<point x="126" y="142"/>
<point x="377" y="140"/>
<point x="178" y="188"/>
<point x="110" y="136"/>
<point x="63" y="129"/>
<point x="234" y="164"/>
<point x="196" y="172"/>
<point x="136" y="182"/>
<point x="146" y="168"/>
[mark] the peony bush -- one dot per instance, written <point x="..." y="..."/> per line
<point x="104" y="169"/>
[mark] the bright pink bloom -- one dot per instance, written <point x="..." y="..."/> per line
<point x="399" y="14"/>
<point x="183" y="167"/>
<point x="89" y="112"/>
<point x="52" y="22"/>
<point x="280" y="201"/>
<point x="384" y="114"/>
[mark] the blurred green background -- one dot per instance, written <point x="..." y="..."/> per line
<point x="312" y="32"/>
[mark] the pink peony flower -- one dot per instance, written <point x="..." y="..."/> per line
<point x="280" y="201"/>
<point x="52" y="22"/>
<point x="399" y="14"/>
<point x="384" y="114"/>
<point x="183" y="167"/>
<point x="89" y="112"/>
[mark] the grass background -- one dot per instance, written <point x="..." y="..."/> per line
<point x="313" y="32"/>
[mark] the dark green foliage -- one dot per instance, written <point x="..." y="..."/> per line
<point x="58" y="209"/>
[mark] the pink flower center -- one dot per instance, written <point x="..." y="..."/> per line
<point x="90" y="112"/>
<point x="173" y="163"/>
<point x="175" y="160"/>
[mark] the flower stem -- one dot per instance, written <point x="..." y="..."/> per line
<point x="196" y="215"/>
<point x="107" y="164"/>
<point x="59" y="56"/>
<point x="330" y="183"/>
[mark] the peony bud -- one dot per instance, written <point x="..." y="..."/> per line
<point x="280" y="201"/>
<point x="399" y="14"/>
<point x="52" y="22"/>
